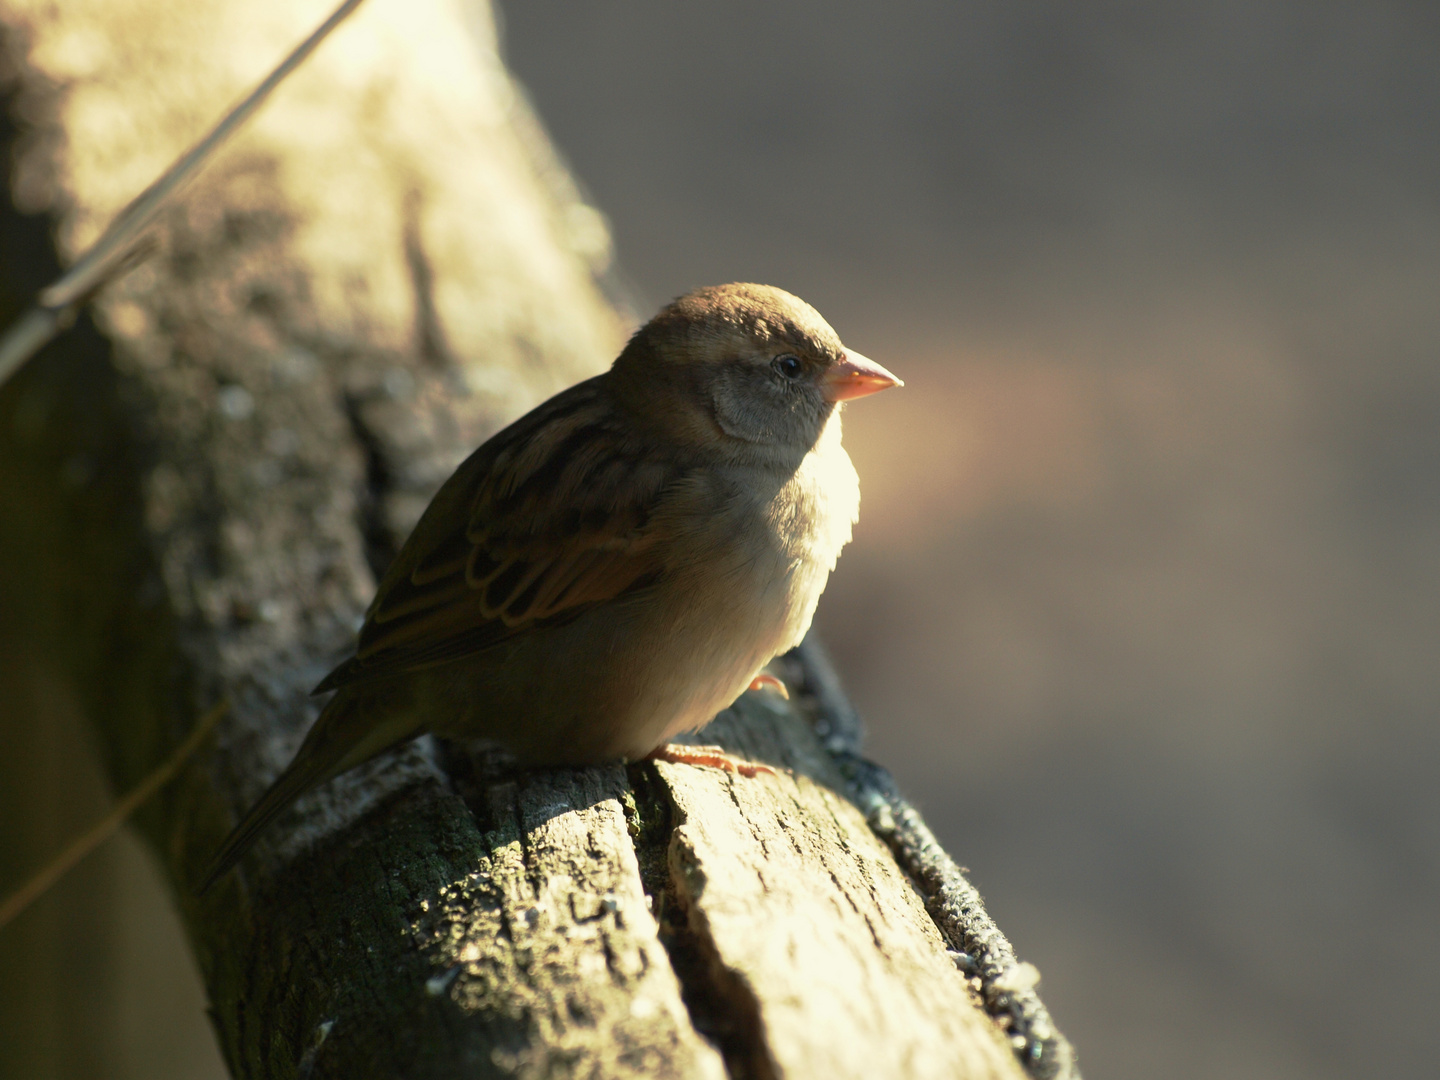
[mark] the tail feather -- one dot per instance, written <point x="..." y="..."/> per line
<point x="291" y="784"/>
<point x="340" y="740"/>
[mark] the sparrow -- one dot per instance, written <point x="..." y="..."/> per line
<point x="619" y="564"/>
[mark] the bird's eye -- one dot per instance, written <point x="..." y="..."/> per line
<point x="787" y="365"/>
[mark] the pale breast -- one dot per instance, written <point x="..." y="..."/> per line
<point x="773" y="581"/>
<point x="816" y="512"/>
<point x="743" y="590"/>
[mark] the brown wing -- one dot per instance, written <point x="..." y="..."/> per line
<point x="548" y="518"/>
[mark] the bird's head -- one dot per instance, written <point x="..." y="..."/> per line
<point x="742" y="364"/>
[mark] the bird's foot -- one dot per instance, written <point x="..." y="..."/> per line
<point x="770" y="682"/>
<point x="713" y="756"/>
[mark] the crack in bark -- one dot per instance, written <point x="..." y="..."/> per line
<point x="380" y="544"/>
<point x="723" y="1009"/>
<point x="429" y="331"/>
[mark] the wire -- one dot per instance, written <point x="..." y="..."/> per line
<point x="83" y="845"/>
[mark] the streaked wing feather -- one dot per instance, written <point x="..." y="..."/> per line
<point x="557" y="514"/>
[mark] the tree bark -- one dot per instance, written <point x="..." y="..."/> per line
<point x="198" y="490"/>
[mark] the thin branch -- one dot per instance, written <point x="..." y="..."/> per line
<point x="111" y="255"/>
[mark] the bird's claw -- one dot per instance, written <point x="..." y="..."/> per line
<point x="770" y="682"/>
<point x="712" y="756"/>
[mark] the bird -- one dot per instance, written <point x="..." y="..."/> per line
<point x="618" y="565"/>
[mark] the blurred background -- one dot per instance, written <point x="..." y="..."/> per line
<point x="1142" y="606"/>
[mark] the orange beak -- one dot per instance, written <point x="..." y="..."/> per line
<point x="855" y="376"/>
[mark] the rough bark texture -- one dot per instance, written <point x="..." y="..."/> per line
<point x="197" y="497"/>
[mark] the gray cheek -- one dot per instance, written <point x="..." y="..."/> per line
<point x="747" y="412"/>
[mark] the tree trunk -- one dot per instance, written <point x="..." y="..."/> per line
<point x="198" y="491"/>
